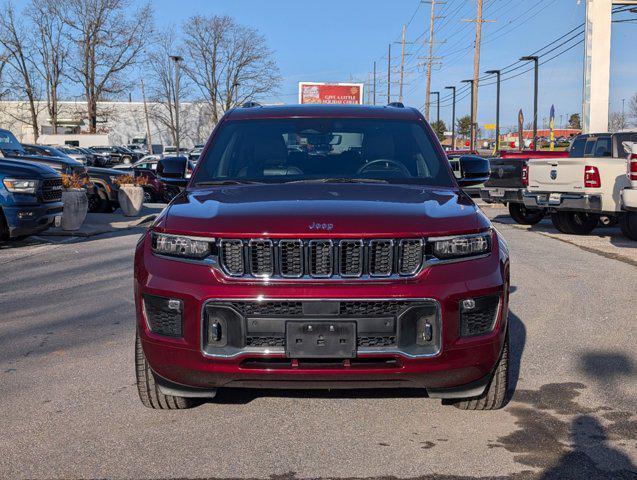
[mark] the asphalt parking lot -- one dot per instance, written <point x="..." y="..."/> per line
<point x="70" y="408"/>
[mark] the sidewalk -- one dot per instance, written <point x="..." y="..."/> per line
<point x="99" y="223"/>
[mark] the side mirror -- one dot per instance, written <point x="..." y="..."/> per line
<point x="474" y="170"/>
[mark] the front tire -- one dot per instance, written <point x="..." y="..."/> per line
<point x="149" y="392"/>
<point x="628" y="225"/>
<point x="525" y="216"/>
<point x="494" y="397"/>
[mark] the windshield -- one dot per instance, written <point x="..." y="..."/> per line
<point x="278" y="151"/>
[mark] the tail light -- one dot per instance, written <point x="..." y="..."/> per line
<point x="632" y="171"/>
<point x="591" y="177"/>
<point x="525" y="175"/>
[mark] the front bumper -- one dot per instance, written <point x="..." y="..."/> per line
<point x="502" y="195"/>
<point x="456" y="363"/>
<point x="29" y="220"/>
<point x="629" y="199"/>
<point x="563" y="201"/>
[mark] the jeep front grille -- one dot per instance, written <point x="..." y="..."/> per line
<point x="347" y="258"/>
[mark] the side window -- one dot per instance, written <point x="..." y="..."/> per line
<point x="603" y="147"/>
<point x="577" y="148"/>
<point x="619" y="139"/>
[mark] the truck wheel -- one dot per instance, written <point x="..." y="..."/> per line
<point x="149" y="392"/>
<point x="628" y="224"/>
<point x="580" y="223"/>
<point x="99" y="202"/>
<point x="525" y="216"/>
<point x="559" y="224"/>
<point x="149" y="196"/>
<point x="494" y="397"/>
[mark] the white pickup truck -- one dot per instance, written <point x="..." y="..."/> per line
<point x="595" y="182"/>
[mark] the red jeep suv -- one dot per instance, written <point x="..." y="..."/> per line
<point x="323" y="247"/>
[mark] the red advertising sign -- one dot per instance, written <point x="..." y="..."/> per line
<point x="339" y="93"/>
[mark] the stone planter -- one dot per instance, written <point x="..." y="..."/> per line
<point x="131" y="199"/>
<point x="75" y="208"/>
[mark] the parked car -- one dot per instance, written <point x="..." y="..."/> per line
<point x="628" y="222"/>
<point x="587" y="186"/>
<point x="154" y="190"/>
<point x="358" y="262"/>
<point x="30" y="198"/>
<point x="195" y="152"/>
<point x="149" y="162"/>
<point x="75" y="153"/>
<point x="95" y="159"/>
<point x="105" y="199"/>
<point x="508" y="180"/>
<point x="118" y="154"/>
<point x="46" y="151"/>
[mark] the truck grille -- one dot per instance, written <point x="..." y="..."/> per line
<point x="349" y="258"/>
<point x="51" y="190"/>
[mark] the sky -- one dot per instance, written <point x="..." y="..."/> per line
<point x="338" y="41"/>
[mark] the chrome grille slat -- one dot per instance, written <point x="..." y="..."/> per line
<point x="322" y="258"/>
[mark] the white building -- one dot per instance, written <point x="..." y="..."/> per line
<point x="117" y="123"/>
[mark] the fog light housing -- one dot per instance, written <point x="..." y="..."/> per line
<point x="478" y="315"/>
<point x="25" y="214"/>
<point x="164" y="316"/>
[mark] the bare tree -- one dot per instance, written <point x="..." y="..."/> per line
<point x="52" y="50"/>
<point x="617" y="122"/>
<point x="632" y="108"/>
<point x="229" y="63"/>
<point x="19" y="56"/>
<point x="161" y="76"/>
<point x="110" y="38"/>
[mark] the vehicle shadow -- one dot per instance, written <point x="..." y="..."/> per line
<point x="517" y="332"/>
<point x="589" y="448"/>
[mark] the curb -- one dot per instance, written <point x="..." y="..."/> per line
<point x="98" y="231"/>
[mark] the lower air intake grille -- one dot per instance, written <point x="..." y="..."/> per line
<point x="257" y="341"/>
<point x="161" y="318"/>
<point x="480" y="319"/>
<point x="373" y="341"/>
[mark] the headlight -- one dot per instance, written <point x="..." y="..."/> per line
<point x="181" y="246"/>
<point x="461" y="246"/>
<point x="16" y="185"/>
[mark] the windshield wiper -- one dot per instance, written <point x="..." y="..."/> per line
<point x="228" y="182"/>
<point x="340" y="180"/>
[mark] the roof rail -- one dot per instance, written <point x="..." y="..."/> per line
<point x="396" y="104"/>
<point x="251" y="105"/>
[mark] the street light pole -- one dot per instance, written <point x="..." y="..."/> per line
<point x="472" y="144"/>
<point x="534" y="59"/>
<point x="453" y="118"/>
<point x="497" y="108"/>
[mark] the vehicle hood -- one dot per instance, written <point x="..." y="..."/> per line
<point x="21" y="169"/>
<point x="322" y="210"/>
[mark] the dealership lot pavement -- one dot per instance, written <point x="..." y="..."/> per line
<point x="70" y="409"/>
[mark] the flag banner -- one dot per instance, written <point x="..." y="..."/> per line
<point x="521" y="130"/>
<point x="552" y="127"/>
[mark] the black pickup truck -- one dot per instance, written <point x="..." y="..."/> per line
<point x="508" y="180"/>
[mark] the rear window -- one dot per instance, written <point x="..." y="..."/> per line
<point x="577" y="148"/>
<point x="279" y="151"/>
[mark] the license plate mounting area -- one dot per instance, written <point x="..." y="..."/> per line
<point x="320" y="339"/>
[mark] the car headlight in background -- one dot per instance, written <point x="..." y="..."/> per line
<point x="461" y="246"/>
<point x="17" y="185"/>
<point x="181" y="246"/>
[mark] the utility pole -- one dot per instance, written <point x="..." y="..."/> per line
<point x="389" y="74"/>
<point x="374" y="97"/>
<point x="453" y="118"/>
<point x="497" y="107"/>
<point x="473" y="139"/>
<point x="149" y="142"/>
<point x="535" y="60"/>
<point x="402" y="65"/>
<point x="476" y="68"/>
<point x="432" y="24"/>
